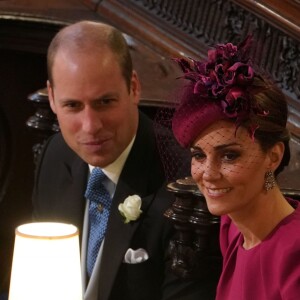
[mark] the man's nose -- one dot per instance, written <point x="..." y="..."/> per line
<point x="91" y="120"/>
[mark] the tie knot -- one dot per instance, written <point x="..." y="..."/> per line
<point x="97" y="175"/>
<point x="95" y="183"/>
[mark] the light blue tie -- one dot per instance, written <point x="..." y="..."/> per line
<point x="99" y="209"/>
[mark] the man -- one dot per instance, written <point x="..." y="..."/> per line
<point x="95" y="94"/>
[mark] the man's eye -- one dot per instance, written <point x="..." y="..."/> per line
<point x="72" y="105"/>
<point x="103" y="102"/>
<point x="106" y="101"/>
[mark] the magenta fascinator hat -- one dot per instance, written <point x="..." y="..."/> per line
<point x="221" y="87"/>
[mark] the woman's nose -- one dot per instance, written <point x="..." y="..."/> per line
<point x="208" y="170"/>
<point x="211" y="172"/>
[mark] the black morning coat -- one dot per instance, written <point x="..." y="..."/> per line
<point x="60" y="182"/>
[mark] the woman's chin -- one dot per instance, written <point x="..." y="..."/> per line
<point x="216" y="210"/>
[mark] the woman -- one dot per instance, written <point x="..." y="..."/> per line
<point x="234" y="122"/>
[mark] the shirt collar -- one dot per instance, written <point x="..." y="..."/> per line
<point x="113" y="171"/>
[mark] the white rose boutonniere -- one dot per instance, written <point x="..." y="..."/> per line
<point x="130" y="209"/>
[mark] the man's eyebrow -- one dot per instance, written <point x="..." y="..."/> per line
<point x="104" y="96"/>
<point x="107" y="95"/>
<point x="66" y="100"/>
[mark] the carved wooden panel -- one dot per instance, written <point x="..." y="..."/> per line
<point x="284" y="13"/>
<point x="176" y="27"/>
<point x="189" y="27"/>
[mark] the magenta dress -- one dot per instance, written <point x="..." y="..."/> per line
<point x="269" y="271"/>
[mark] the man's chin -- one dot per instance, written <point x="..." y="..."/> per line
<point x="97" y="161"/>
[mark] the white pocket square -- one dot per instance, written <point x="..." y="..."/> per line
<point x="135" y="256"/>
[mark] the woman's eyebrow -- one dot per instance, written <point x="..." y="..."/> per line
<point x="223" y="146"/>
<point x="219" y="147"/>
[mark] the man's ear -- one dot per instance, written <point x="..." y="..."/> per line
<point x="51" y="96"/>
<point x="275" y="155"/>
<point x="135" y="87"/>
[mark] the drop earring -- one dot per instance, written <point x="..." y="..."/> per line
<point x="269" y="180"/>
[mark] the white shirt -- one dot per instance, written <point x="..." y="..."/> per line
<point x="112" y="172"/>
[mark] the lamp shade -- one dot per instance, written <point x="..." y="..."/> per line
<point x="46" y="263"/>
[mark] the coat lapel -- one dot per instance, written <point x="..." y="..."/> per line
<point x="136" y="179"/>
<point x="71" y="201"/>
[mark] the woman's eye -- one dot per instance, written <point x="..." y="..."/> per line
<point x="230" y="156"/>
<point x="198" y="155"/>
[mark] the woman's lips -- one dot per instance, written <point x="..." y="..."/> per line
<point x="217" y="192"/>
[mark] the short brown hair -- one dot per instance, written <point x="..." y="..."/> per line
<point x="87" y="34"/>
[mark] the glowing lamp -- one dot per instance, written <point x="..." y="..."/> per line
<point x="46" y="263"/>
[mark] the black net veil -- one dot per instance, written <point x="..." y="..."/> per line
<point x="180" y="162"/>
<point x="224" y="109"/>
<point x="176" y="159"/>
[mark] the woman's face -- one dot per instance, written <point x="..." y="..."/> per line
<point x="229" y="168"/>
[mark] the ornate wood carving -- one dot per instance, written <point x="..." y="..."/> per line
<point x="188" y="28"/>
<point x="195" y="251"/>
<point x="43" y="123"/>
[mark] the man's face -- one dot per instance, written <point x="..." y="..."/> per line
<point x="97" y="114"/>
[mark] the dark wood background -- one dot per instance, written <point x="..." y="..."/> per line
<point x="156" y="31"/>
